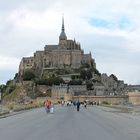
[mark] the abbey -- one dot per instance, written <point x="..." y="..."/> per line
<point x="67" y="53"/>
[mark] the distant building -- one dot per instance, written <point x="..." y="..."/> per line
<point x="133" y="88"/>
<point x="113" y="86"/>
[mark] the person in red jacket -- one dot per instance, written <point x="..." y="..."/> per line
<point x="47" y="106"/>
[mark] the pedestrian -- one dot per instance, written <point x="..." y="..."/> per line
<point x="46" y="103"/>
<point x="78" y="106"/>
<point x="52" y="108"/>
<point x="49" y="105"/>
<point x="62" y="103"/>
<point x="85" y="104"/>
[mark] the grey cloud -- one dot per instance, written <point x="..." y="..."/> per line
<point x="107" y="50"/>
<point x="6" y="75"/>
<point x="6" y="5"/>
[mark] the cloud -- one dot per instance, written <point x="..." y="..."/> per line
<point x="9" y="62"/>
<point x="8" y="68"/>
<point x="109" y="29"/>
<point x="121" y="70"/>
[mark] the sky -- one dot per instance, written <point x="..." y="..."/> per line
<point x="110" y="29"/>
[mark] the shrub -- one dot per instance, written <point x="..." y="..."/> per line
<point x="28" y="75"/>
<point x="10" y="106"/>
<point x="12" y="88"/>
<point x="105" y="102"/>
<point x="89" y="85"/>
<point x="50" y="81"/>
<point x="75" y="82"/>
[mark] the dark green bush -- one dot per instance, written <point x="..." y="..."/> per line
<point x="28" y="75"/>
<point x="75" y="82"/>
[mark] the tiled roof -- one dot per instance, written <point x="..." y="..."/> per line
<point x="51" y="47"/>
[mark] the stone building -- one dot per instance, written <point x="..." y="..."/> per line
<point x="113" y="86"/>
<point x="66" y="53"/>
<point x="65" y="92"/>
<point x="132" y="88"/>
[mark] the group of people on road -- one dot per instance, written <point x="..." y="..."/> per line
<point x="75" y="103"/>
<point x="49" y="106"/>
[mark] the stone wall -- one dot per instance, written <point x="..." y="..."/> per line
<point x="134" y="97"/>
<point x="109" y="99"/>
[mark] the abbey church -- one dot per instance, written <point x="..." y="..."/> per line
<point x="62" y="70"/>
<point x="67" y="53"/>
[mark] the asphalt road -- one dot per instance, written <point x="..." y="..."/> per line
<point x="93" y="123"/>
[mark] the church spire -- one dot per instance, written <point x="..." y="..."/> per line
<point x="63" y="35"/>
<point x="63" y="27"/>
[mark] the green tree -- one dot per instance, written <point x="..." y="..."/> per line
<point x="8" y="82"/>
<point x="11" y="88"/>
<point x="96" y="71"/>
<point x="73" y="77"/>
<point x="83" y="74"/>
<point x="16" y="75"/>
<point x="40" y="82"/>
<point x="2" y="88"/>
<point x="57" y="81"/>
<point x="75" y="82"/>
<point x="85" y="65"/>
<point x="89" y="84"/>
<point x="114" y="77"/>
<point x="50" y="81"/>
<point x="28" y="75"/>
<point x="88" y="74"/>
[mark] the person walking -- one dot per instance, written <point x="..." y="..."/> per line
<point x="78" y="106"/>
<point x="46" y="106"/>
<point x="85" y="104"/>
<point x="52" y="108"/>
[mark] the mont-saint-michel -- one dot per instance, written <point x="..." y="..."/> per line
<point x="67" y="53"/>
<point x="75" y="69"/>
<point x="69" y="71"/>
<point x="64" y="72"/>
